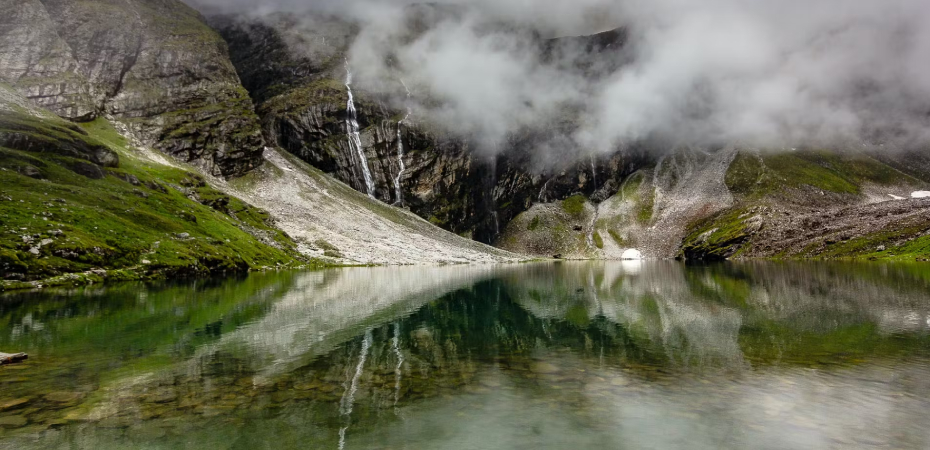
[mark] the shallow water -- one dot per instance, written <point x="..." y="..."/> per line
<point x="616" y="355"/>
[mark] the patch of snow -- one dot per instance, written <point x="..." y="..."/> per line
<point x="895" y="197"/>
<point x="920" y="194"/>
<point x="632" y="254"/>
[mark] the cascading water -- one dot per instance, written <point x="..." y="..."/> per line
<point x="542" y="192"/>
<point x="592" y="228"/>
<point x="400" y="152"/>
<point x="594" y="171"/>
<point x="355" y="139"/>
<point x="492" y="201"/>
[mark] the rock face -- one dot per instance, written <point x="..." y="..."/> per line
<point x="297" y="74"/>
<point x="39" y="63"/>
<point x="154" y="65"/>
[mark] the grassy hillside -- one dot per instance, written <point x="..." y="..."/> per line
<point x="815" y="204"/>
<point x="75" y="199"/>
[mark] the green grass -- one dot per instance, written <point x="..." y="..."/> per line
<point x="631" y="185"/>
<point x="718" y="237"/>
<point x="534" y="224"/>
<point x="763" y="177"/>
<point x="329" y="250"/>
<point x="616" y="237"/>
<point x="906" y="244"/>
<point x="574" y="205"/>
<point x="598" y="240"/>
<point x="147" y="219"/>
<point x="842" y="173"/>
<point x="297" y="100"/>
<point x="646" y="206"/>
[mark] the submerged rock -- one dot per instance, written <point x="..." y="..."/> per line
<point x="13" y="404"/>
<point x="64" y="397"/>
<point x="13" y="422"/>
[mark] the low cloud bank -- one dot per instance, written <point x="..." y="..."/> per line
<point x="753" y="72"/>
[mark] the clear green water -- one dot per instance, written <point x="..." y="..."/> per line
<point x="540" y="356"/>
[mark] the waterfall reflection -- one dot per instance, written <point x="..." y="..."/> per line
<point x="519" y="355"/>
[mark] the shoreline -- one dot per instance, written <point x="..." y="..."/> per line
<point x="102" y="276"/>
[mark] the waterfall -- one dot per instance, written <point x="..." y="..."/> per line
<point x="492" y="201"/>
<point x="355" y="140"/>
<point x="542" y="192"/>
<point x="399" y="194"/>
<point x="592" y="228"/>
<point x="593" y="172"/>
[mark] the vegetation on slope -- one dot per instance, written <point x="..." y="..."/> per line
<point x="760" y="175"/>
<point x="65" y="219"/>
<point x="808" y="204"/>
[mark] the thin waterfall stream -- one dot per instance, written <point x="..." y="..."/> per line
<point x="355" y="139"/>
<point x="398" y="192"/>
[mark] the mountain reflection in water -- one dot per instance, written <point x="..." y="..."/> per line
<point x="549" y="355"/>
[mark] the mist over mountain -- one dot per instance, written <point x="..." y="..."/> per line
<point x="831" y="73"/>
<point x="395" y="132"/>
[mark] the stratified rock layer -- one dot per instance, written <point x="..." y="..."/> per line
<point x="154" y="65"/>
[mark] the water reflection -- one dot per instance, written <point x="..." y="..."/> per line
<point x="619" y="355"/>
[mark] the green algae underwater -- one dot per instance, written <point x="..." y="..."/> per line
<point x="623" y="355"/>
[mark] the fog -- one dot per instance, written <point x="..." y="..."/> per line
<point x="750" y="72"/>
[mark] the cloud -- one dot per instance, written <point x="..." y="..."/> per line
<point x="753" y="72"/>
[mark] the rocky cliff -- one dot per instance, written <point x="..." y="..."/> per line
<point x="131" y="76"/>
<point x="663" y="202"/>
<point x="153" y="65"/>
<point x="80" y="203"/>
<point x="731" y="202"/>
<point x="296" y="73"/>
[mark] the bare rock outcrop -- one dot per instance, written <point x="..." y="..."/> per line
<point x="154" y="65"/>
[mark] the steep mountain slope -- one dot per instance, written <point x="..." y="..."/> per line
<point x="329" y="218"/>
<point x="79" y="204"/>
<point x="94" y="92"/>
<point x="648" y="197"/>
<point x="816" y="204"/>
<point x="82" y="203"/>
<point x="156" y="66"/>
<point x="296" y="71"/>
<point x="709" y="205"/>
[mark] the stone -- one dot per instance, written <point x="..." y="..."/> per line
<point x="13" y="422"/>
<point x="88" y="170"/>
<point x="619" y="381"/>
<point x="163" y="396"/>
<point x="64" y="397"/>
<point x="146" y="432"/>
<point x="10" y="358"/>
<point x="544" y="367"/>
<point x="115" y="422"/>
<point x="131" y="179"/>
<point x="31" y="172"/>
<point x="13" y="404"/>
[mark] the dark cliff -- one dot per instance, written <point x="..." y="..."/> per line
<point x="296" y="76"/>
